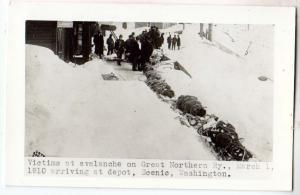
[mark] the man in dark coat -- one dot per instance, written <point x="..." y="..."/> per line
<point x="174" y="41"/>
<point x="169" y="40"/>
<point x="151" y="33"/>
<point x="146" y="51"/>
<point x="101" y="45"/>
<point x="161" y="40"/>
<point x="96" y="42"/>
<point x="120" y="48"/>
<point x="134" y="54"/>
<point x="154" y="35"/>
<point x="110" y="45"/>
<point x="128" y="47"/>
<point x="157" y="38"/>
<point x="178" y="42"/>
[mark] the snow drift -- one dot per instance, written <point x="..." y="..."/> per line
<point x="72" y="112"/>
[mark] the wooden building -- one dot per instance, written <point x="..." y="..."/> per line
<point x="71" y="41"/>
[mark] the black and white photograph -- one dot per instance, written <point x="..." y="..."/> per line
<point x="118" y="95"/>
<point x="149" y="90"/>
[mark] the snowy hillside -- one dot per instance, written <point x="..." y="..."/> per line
<point x="253" y="43"/>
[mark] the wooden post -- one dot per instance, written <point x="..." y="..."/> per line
<point x="201" y="30"/>
<point x="124" y="25"/>
<point x="86" y="41"/>
<point x="210" y="29"/>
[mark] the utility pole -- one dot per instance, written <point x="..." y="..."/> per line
<point x="124" y="25"/>
<point x="210" y="29"/>
<point x="201" y="30"/>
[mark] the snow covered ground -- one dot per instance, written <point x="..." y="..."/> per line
<point x="72" y="112"/>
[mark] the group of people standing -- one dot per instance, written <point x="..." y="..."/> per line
<point x="136" y="49"/>
<point x="173" y="42"/>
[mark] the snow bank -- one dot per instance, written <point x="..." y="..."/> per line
<point x="252" y="42"/>
<point x="72" y="112"/>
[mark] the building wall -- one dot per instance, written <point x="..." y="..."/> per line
<point x="42" y="33"/>
<point x="63" y="41"/>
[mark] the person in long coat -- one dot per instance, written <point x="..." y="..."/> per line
<point x="174" y="41"/>
<point x="128" y="46"/>
<point x="161" y="40"/>
<point x="101" y="45"/>
<point x="157" y="38"/>
<point x="120" y="48"/>
<point x="146" y="51"/>
<point x="178" y="42"/>
<point x="96" y="42"/>
<point x="169" y="40"/>
<point x="135" y="54"/>
<point x="110" y="45"/>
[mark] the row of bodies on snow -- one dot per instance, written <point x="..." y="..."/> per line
<point x="221" y="136"/>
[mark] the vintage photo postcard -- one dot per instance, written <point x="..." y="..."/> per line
<point x="150" y="96"/>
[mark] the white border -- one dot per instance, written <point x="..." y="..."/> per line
<point x="283" y="18"/>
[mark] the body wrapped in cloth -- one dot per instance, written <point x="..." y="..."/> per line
<point x="190" y="104"/>
<point x="160" y="87"/>
<point x="152" y="74"/>
<point x="156" y="83"/>
<point x="226" y="142"/>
